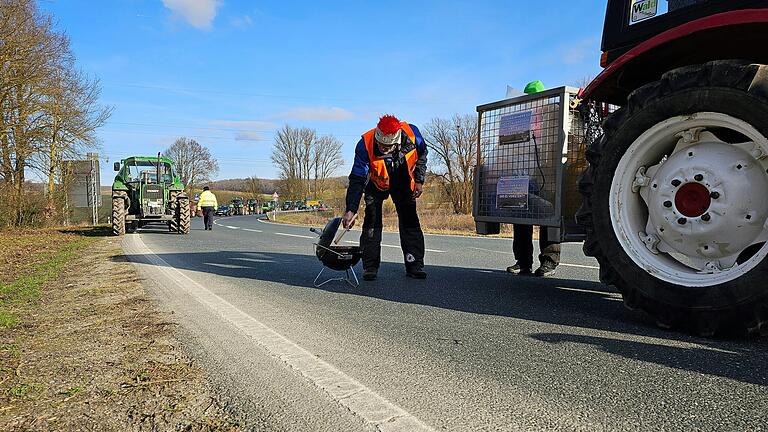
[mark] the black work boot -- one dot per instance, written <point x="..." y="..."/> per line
<point x="547" y="268"/>
<point x="370" y="274"/>
<point x="416" y="273"/>
<point x="519" y="270"/>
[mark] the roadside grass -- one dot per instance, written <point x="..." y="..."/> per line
<point x="433" y="221"/>
<point x="31" y="259"/>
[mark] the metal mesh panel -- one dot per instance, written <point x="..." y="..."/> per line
<point x="575" y="163"/>
<point x="521" y="144"/>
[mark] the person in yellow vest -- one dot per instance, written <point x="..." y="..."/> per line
<point x="390" y="160"/>
<point x="209" y="204"/>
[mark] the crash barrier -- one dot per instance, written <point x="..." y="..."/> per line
<point x="530" y="150"/>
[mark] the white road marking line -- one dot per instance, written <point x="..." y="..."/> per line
<point x="252" y="230"/>
<point x="580" y="266"/>
<point x="293" y="235"/>
<point x="255" y="260"/>
<point x="562" y="264"/>
<point x="347" y="391"/>
<point x="398" y="247"/>
<point x="229" y="266"/>
<point x="231" y="227"/>
<point x="612" y="296"/>
<point x="489" y="250"/>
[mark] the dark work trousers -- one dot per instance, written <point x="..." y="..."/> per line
<point x="522" y="246"/>
<point x="208" y="217"/>
<point x="411" y="236"/>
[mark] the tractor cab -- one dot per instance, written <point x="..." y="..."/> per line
<point x="642" y="39"/>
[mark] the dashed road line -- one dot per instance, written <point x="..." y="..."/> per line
<point x="252" y="230"/>
<point x="398" y="247"/>
<point x="510" y="253"/>
<point x="293" y="235"/>
<point x="345" y="390"/>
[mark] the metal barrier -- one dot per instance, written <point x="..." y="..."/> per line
<point x="530" y="150"/>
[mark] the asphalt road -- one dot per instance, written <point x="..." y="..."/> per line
<point x="469" y="349"/>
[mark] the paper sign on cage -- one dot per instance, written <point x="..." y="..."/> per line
<point x="512" y="192"/>
<point x="515" y="128"/>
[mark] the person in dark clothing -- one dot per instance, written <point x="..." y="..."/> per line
<point x="522" y="246"/>
<point x="522" y="243"/>
<point x="390" y="160"/>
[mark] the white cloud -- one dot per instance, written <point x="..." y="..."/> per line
<point x="198" y="13"/>
<point x="248" y="136"/>
<point x="242" y="22"/>
<point x="317" y="114"/>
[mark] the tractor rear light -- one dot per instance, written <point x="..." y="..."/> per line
<point x="604" y="59"/>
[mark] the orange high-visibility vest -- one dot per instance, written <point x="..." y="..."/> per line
<point x="378" y="168"/>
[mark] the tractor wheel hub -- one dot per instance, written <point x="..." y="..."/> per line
<point x="706" y="200"/>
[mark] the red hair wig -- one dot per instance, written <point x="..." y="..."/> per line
<point x="388" y="124"/>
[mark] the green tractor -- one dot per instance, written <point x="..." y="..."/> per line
<point x="238" y="207"/>
<point x="146" y="190"/>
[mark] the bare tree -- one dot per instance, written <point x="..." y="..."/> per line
<point x="326" y="159"/>
<point x="305" y="161"/>
<point x="253" y="186"/>
<point x="194" y="162"/>
<point x="48" y="110"/>
<point x="453" y="146"/>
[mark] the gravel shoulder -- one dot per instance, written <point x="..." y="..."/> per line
<point x="90" y="351"/>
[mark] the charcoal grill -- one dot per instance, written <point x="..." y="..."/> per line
<point x="334" y="257"/>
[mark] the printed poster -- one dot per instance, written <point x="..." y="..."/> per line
<point x="512" y="193"/>
<point x="515" y="128"/>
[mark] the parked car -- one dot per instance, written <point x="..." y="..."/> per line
<point x="223" y="210"/>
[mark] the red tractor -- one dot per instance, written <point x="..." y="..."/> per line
<point x="675" y="202"/>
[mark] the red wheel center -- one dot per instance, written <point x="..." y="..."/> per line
<point x="692" y="199"/>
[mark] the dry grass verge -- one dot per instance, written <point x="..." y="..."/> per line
<point x="433" y="221"/>
<point x="88" y="350"/>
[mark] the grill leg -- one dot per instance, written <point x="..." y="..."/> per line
<point x="346" y="279"/>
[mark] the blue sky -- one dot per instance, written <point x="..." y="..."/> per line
<point x="230" y="72"/>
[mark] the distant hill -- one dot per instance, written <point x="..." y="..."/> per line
<point x="268" y="186"/>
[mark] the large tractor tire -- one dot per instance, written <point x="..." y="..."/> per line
<point x="173" y="224"/>
<point x="118" y="216"/>
<point x="182" y="219"/>
<point x="675" y="203"/>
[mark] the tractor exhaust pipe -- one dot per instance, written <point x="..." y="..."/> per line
<point x="158" y="167"/>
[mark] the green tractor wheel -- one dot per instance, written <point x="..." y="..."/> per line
<point x="182" y="219"/>
<point x="118" y="216"/>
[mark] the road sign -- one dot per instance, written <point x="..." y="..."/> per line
<point x="275" y="196"/>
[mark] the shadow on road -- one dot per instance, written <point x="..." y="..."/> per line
<point x="571" y="303"/>
<point x="744" y="363"/>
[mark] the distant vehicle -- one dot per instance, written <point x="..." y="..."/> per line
<point x="224" y="210"/>
<point x="252" y="207"/>
<point x="237" y="206"/>
<point x="267" y="206"/>
<point x="288" y="205"/>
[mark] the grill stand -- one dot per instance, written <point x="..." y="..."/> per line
<point x="346" y="278"/>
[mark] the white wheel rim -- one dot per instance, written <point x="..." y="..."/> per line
<point x="639" y="223"/>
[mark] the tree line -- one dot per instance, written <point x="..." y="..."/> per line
<point x="307" y="162"/>
<point x="49" y="112"/>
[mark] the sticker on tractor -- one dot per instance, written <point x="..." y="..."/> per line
<point x="643" y="9"/>
<point x="512" y="193"/>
